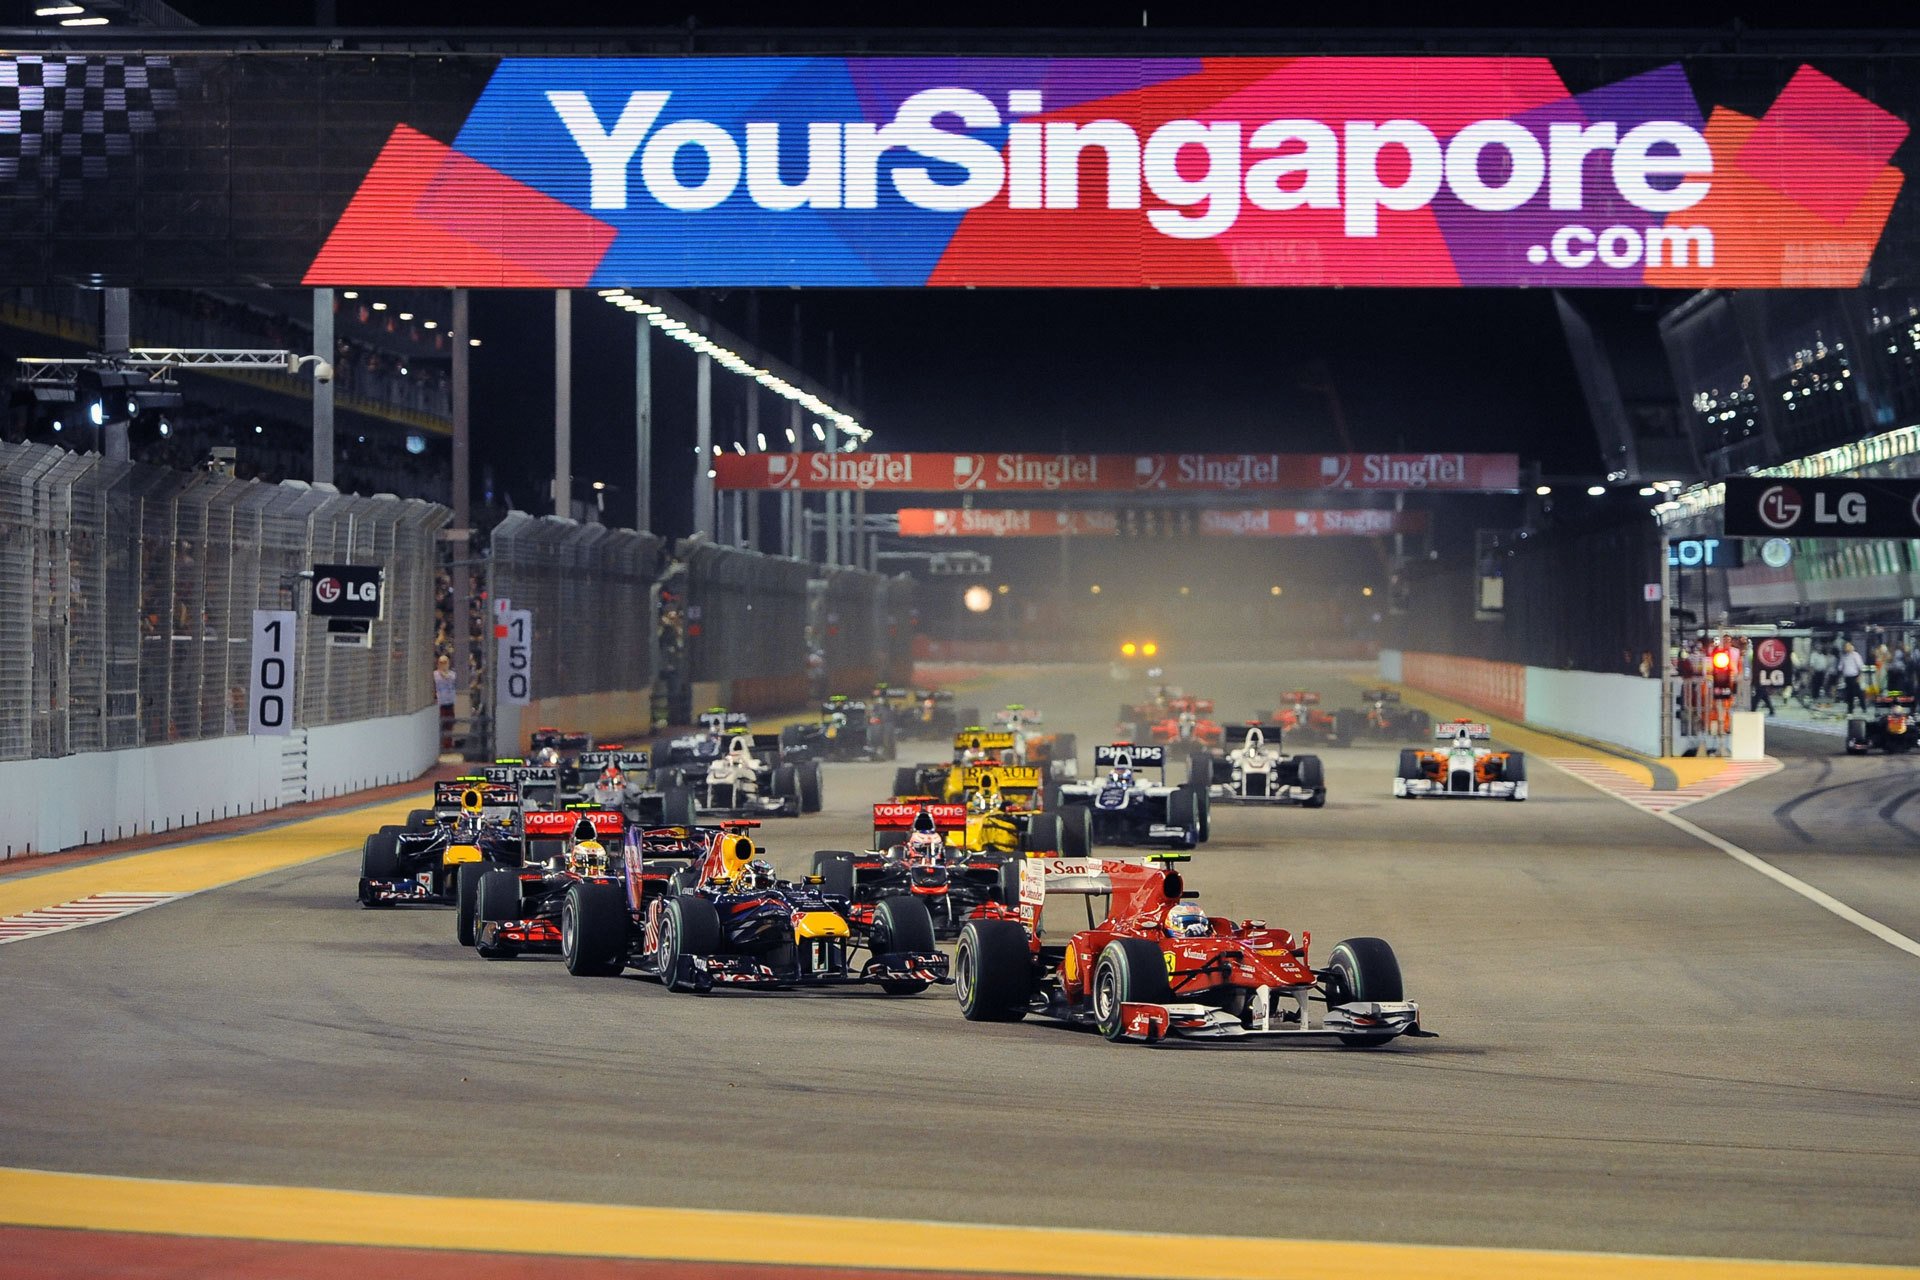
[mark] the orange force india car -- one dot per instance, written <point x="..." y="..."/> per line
<point x="1463" y="767"/>
<point x="1150" y="964"/>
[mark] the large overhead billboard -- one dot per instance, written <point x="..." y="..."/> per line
<point x="1043" y="172"/>
<point x="1118" y="472"/>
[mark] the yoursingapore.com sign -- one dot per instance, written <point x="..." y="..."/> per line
<point x="1102" y="172"/>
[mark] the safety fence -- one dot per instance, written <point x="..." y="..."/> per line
<point x="1619" y="709"/>
<point x="745" y="627"/>
<point x="1499" y="687"/>
<point x="862" y="629"/>
<point x="590" y="590"/>
<point x="127" y="595"/>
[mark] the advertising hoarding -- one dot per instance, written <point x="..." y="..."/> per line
<point x="1757" y="507"/>
<point x="1010" y="522"/>
<point x="1118" y="472"/>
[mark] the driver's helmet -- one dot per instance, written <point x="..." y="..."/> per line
<point x="896" y="853"/>
<point x="737" y="749"/>
<point x="1122" y="771"/>
<point x="972" y="753"/>
<point x="757" y="874"/>
<point x="986" y="799"/>
<point x="1188" y="920"/>
<point x="924" y="846"/>
<point x="1256" y="740"/>
<point x="611" y="777"/>
<point x="1188" y="721"/>
<point x="546" y="756"/>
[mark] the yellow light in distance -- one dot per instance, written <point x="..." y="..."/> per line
<point x="1128" y="649"/>
<point x="977" y="599"/>
<point x="1149" y="648"/>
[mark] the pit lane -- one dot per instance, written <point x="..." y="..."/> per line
<point x="1645" y="1047"/>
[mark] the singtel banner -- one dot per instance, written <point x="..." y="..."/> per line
<point x="1007" y="522"/>
<point x="343" y="168"/>
<point x="1119" y="472"/>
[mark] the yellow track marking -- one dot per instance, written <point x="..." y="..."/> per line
<point x="98" y="1203"/>
<point x="204" y="864"/>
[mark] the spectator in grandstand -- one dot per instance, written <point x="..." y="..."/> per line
<point x="1850" y="667"/>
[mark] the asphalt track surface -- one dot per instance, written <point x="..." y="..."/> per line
<point x="1645" y="1047"/>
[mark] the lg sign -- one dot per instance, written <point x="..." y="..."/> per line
<point x="347" y="590"/>
<point x="1832" y="508"/>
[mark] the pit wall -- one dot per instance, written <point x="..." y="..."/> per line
<point x="61" y="802"/>
<point x="1619" y="710"/>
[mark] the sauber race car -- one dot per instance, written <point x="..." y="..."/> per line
<point x="1126" y="807"/>
<point x="473" y="823"/>
<point x="1892" y="729"/>
<point x="912" y="857"/>
<point x="585" y="900"/>
<point x="1385" y="716"/>
<point x="848" y="729"/>
<point x="1461" y="768"/>
<point x="1301" y="716"/>
<point x="1258" y="772"/>
<point x="734" y="924"/>
<point x="1150" y="964"/>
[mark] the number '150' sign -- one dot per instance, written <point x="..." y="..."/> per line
<point x="514" y="629"/>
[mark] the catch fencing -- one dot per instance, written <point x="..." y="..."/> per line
<point x="863" y="629"/>
<point x="127" y="595"/>
<point x="590" y="589"/>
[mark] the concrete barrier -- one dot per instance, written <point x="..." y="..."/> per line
<point x="1618" y="709"/>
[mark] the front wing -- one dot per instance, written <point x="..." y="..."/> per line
<point x="1373" y="1020"/>
<point x="1497" y="790"/>
<point x="705" y="973"/>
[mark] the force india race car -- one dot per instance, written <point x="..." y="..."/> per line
<point x="1056" y="753"/>
<point x="912" y="858"/>
<point x="1461" y="768"/>
<point x="1893" y="728"/>
<point x="1258" y="772"/>
<point x="1151" y="964"/>
<point x="1126" y="808"/>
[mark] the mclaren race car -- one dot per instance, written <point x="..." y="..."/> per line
<point x="1893" y="728"/>
<point x="1462" y="767"/>
<point x="1150" y="964"/>
<point x="912" y="857"/>
<point x="1124" y="806"/>
<point x="1258" y="772"/>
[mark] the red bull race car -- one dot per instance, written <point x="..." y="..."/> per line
<point x="1892" y="729"/>
<point x="1150" y="964"/>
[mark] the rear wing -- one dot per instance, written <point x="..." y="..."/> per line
<point x="898" y="815"/>
<point x="559" y="739"/>
<point x="1894" y="699"/>
<point x="1005" y="777"/>
<point x="1017" y="715"/>
<point x="1270" y="733"/>
<point x="832" y="705"/>
<point x="558" y="824"/>
<point x="1446" y="732"/>
<point x="720" y="720"/>
<point x="1379" y="695"/>
<point x="765" y="741"/>
<point x="1199" y="706"/>
<point x="982" y="740"/>
<point x="1139" y="755"/>
<point x="1079" y="876"/>
<point x="932" y="695"/>
<point x="637" y="761"/>
<point x="522" y="775"/>
<point x="449" y="796"/>
<point x="1303" y="697"/>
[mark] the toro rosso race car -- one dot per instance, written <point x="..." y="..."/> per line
<point x="1258" y="772"/>
<point x="1150" y="964"/>
<point x="1385" y="716"/>
<point x="737" y="925"/>
<point x="1123" y="806"/>
<point x="1462" y="768"/>
<point x="912" y="858"/>
<point x="1189" y="722"/>
<point x="1892" y="729"/>
<point x="848" y="729"/>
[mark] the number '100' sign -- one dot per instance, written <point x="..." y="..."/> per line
<point x="514" y="663"/>
<point x="270" y="682"/>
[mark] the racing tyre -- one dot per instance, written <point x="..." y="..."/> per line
<point x="1346" y="726"/>
<point x="676" y="807"/>
<point x="1183" y="811"/>
<point x="1516" y="771"/>
<point x="689" y="926"/>
<point x="466" y="899"/>
<point x="901" y="924"/>
<point x="1076" y="840"/>
<point x="593" y="930"/>
<point x="1008" y="895"/>
<point x="786" y="785"/>
<point x="835" y="869"/>
<point x="810" y="788"/>
<point x="419" y="819"/>
<point x="1419" y="724"/>
<point x="1129" y="971"/>
<point x="1066" y="752"/>
<point x="1857" y="737"/>
<point x="1409" y="767"/>
<point x="379" y="860"/>
<point x="1046" y="833"/>
<point x="1313" y="774"/>
<point x="1362" y="969"/>
<point x="993" y="971"/>
<point x="906" y="781"/>
<point x="498" y="899"/>
<point x="1199" y="770"/>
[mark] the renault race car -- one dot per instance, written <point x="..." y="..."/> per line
<point x="973" y="745"/>
<point x="1461" y="768"/>
<point x="1892" y="729"/>
<point x="913" y="856"/>
<point x="1005" y="812"/>
<point x="735" y="924"/>
<point x="1385" y="716"/>
<point x="1124" y="806"/>
<point x="1258" y="772"/>
<point x="1150" y="964"/>
<point x="848" y="729"/>
<point x="1301" y="716"/>
<point x="472" y="822"/>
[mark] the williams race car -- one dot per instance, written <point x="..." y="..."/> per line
<point x="1258" y="772"/>
<point x="1893" y="728"/>
<point x="1125" y="807"/>
<point x="1462" y="768"/>
<point x="1151" y="964"/>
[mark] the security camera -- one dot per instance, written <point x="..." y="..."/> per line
<point x="322" y="371"/>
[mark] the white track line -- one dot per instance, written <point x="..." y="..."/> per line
<point x="1818" y="897"/>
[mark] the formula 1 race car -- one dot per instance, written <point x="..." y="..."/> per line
<point x="694" y="751"/>
<point x="472" y="823"/>
<point x="735" y="924"/>
<point x="972" y="745"/>
<point x="1461" y="768"/>
<point x="1125" y="807"/>
<point x="1189" y="722"/>
<point x="1301" y="716"/>
<point x="1258" y="772"/>
<point x="736" y="773"/>
<point x="1057" y="753"/>
<point x="1151" y="964"/>
<point x="1893" y="728"/>
<point x="584" y="901"/>
<point x="611" y="777"/>
<point x="912" y="857"/>
<point x="848" y="729"/>
<point x="1004" y="810"/>
<point x="922" y="713"/>
<point x="550" y="746"/>
<point x="1385" y="716"/>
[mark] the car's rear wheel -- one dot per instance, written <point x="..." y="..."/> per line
<point x="1362" y="970"/>
<point x="1076" y="822"/>
<point x="676" y="807"/>
<point x="593" y="930"/>
<point x="689" y="926"/>
<point x="499" y="901"/>
<point x="1857" y="736"/>
<point x="1515" y="772"/>
<point x="419" y="819"/>
<point x="811" y="789"/>
<point x="906" y="781"/>
<point x="1008" y="894"/>
<point x="786" y="785"/>
<point x="1313" y="775"/>
<point x="835" y="869"/>
<point x="466" y="899"/>
<point x="1409" y="769"/>
<point x="901" y="924"/>
<point x="1129" y="971"/>
<point x="379" y="860"/>
<point x="1183" y="811"/>
<point x="1046" y="833"/>
<point x="993" y="971"/>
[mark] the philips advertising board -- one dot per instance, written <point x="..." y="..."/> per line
<point x="346" y="169"/>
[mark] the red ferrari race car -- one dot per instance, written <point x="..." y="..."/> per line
<point x="1301" y="716"/>
<point x="1151" y="964"/>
